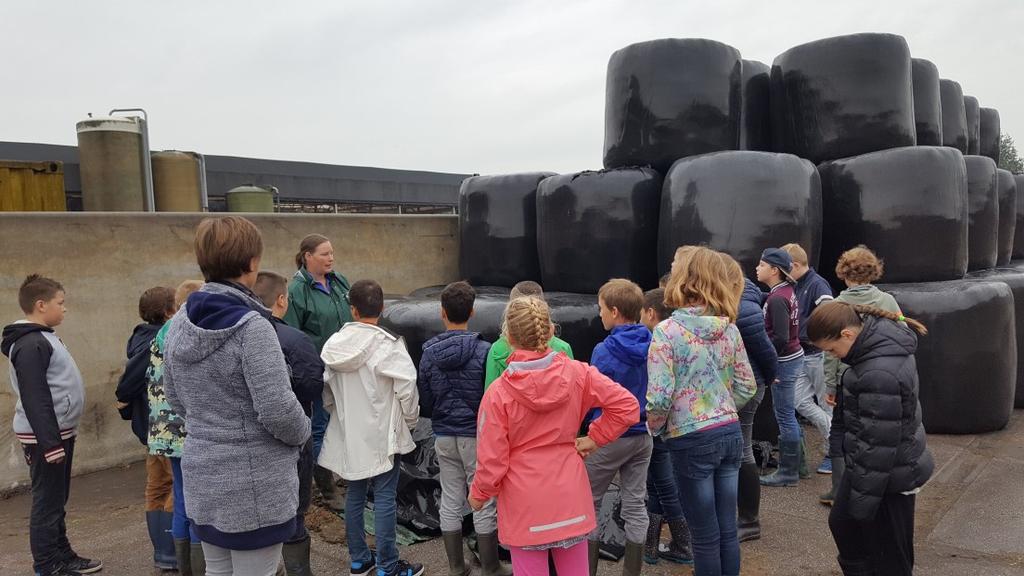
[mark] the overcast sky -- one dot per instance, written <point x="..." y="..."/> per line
<point x="442" y="85"/>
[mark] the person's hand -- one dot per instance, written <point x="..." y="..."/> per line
<point x="475" y="504"/>
<point x="830" y="399"/>
<point x="585" y="446"/>
<point x="121" y="405"/>
<point x="776" y="381"/>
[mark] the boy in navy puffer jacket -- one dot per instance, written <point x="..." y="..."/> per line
<point x="451" y="386"/>
<point x="622" y="356"/>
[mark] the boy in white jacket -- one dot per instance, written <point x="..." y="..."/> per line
<point x="373" y="402"/>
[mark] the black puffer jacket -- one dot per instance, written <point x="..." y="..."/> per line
<point x="884" y="441"/>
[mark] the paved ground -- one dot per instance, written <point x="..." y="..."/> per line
<point x="970" y="521"/>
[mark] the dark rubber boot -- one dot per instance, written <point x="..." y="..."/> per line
<point x="593" y="553"/>
<point x="296" y="558"/>
<point x="159" y="524"/>
<point x="838" y="468"/>
<point x="789" y="462"/>
<point x="490" y="562"/>
<point x="680" y="550"/>
<point x="454" y="550"/>
<point x="198" y="559"/>
<point x="324" y="480"/>
<point x="653" y="539"/>
<point x="633" y="561"/>
<point x="183" y="553"/>
<point x="748" y="525"/>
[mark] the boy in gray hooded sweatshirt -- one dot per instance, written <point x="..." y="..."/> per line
<point x="50" y="397"/>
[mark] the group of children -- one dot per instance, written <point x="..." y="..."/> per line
<point x="526" y="437"/>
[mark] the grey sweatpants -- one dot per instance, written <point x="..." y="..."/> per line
<point x="224" y="562"/>
<point x="457" y="458"/>
<point x="628" y="456"/>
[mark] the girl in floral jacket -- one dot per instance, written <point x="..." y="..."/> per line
<point x="698" y="377"/>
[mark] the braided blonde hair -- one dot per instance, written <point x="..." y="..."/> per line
<point x="528" y="324"/>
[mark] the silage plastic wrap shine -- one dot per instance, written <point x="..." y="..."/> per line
<point x="909" y="205"/>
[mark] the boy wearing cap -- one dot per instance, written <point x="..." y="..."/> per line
<point x="782" y="322"/>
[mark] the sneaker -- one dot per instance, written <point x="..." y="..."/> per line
<point x="59" y="570"/>
<point x="84" y="565"/>
<point x="403" y="568"/>
<point x="363" y="568"/>
<point x="826" y="466"/>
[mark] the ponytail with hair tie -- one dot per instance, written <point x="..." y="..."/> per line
<point x="830" y="318"/>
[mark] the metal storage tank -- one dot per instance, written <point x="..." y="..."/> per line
<point x="32" y="187"/>
<point x="114" y="161"/>
<point x="179" y="181"/>
<point x="251" y="198"/>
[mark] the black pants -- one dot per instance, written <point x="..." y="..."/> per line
<point x="51" y="485"/>
<point x="882" y="546"/>
<point x="305" y="490"/>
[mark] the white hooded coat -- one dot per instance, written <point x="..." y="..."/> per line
<point x="372" y="399"/>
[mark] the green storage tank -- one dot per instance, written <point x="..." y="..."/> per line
<point x="251" y="198"/>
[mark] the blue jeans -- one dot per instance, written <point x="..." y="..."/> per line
<point x="707" y="466"/>
<point x="783" y="394"/>
<point x="662" y="492"/>
<point x="321" y="418"/>
<point x="385" y="490"/>
<point x="181" y="526"/>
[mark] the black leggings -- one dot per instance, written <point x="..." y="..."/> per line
<point x="883" y="545"/>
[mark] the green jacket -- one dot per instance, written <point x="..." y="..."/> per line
<point x="313" y="311"/>
<point x="497" y="357"/>
<point x="865" y="295"/>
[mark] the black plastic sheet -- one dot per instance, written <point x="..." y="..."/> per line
<point x="576" y="318"/>
<point x="954" y="117"/>
<point x="594" y="226"/>
<point x="611" y="528"/>
<point x="972" y="112"/>
<point x="989" y="134"/>
<point x="740" y="203"/>
<point x="671" y="98"/>
<point x="497" y="228"/>
<point x="909" y="205"/>
<point x="1018" y="232"/>
<point x="1007" y="215"/>
<point x="927" y="103"/>
<point x="755" y="130"/>
<point x="983" y="212"/>
<point x="843" y="96"/>
<point x="1014" y="278"/>
<point x="435" y="291"/>
<point x="419" y="484"/>
<point x="967" y="364"/>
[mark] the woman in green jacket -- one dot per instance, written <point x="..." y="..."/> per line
<point x="318" y="305"/>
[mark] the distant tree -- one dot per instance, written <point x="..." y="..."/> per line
<point x="1009" y="159"/>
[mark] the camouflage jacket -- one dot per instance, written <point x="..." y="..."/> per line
<point x="166" y="428"/>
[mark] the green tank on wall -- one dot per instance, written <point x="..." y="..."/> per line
<point x="251" y="198"/>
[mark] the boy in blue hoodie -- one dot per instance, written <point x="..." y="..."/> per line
<point x="622" y="356"/>
<point x="451" y="385"/>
